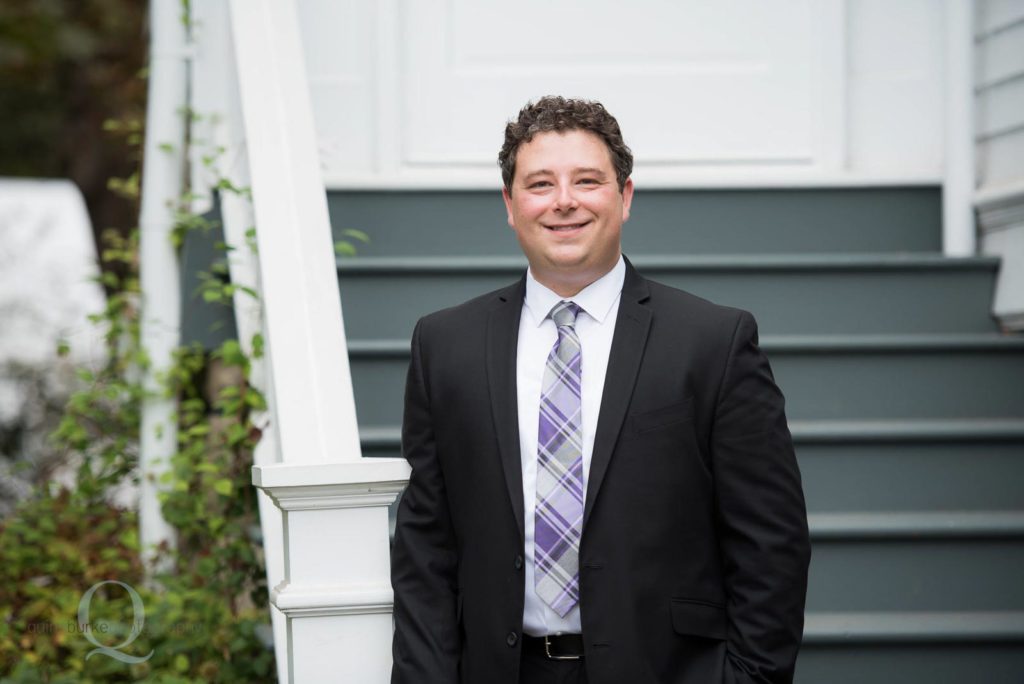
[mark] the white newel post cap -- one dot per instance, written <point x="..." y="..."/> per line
<point x="302" y="486"/>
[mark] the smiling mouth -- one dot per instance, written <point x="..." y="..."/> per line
<point x="565" y="227"/>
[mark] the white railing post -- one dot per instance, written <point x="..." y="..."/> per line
<point x="336" y="591"/>
<point x="315" y="412"/>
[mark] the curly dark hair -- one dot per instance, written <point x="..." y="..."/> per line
<point x="556" y="113"/>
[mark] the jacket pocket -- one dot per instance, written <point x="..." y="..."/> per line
<point x="662" y="417"/>
<point x="699" y="618"/>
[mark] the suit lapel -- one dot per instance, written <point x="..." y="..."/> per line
<point x="502" y="345"/>
<point x="628" y="341"/>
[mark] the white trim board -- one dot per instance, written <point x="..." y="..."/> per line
<point x="826" y="93"/>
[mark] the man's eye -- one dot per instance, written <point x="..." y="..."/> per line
<point x="589" y="181"/>
<point x="539" y="184"/>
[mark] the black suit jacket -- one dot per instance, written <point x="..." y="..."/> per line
<point x="695" y="549"/>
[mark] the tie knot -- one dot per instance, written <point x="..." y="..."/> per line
<point x="564" y="314"/>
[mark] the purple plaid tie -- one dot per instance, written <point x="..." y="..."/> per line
<point x="559" y="511"/>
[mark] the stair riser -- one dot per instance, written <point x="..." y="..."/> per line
<point x="817" y="386"/>
<point x="943" y="384"/>
<point x="912" y="573"/>
<point x="871" y="478"/>
<point x="791" y="302"/>
<point x="911" y="476"/>
<point x="680" y="222"/>
<point x="916" y="574"/>
<point x="899" y="663"/>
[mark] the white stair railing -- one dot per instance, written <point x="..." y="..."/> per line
<point x="326" y="535"/>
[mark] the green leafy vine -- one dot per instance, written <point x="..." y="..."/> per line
<point x="206" y="614"/>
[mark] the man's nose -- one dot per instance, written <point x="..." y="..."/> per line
<point x="565" y="199"/>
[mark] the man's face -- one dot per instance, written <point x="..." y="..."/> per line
<point x="566" y="209"/>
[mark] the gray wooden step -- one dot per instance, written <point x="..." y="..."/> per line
<point x="916" y="525"/>
<point x="789" y="294"/>
<point x="928" y="646"/>
<point x="909" y="377"/>
<point x="663" y="221"/>
<point x="939" y="466"/>
<point x="936" y="465"/>
<point x="958" y="627"/>
<point x="868" y="570"/>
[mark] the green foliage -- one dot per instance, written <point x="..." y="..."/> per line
<point x="347" y="247"/>
<point x="60" y="545"/>
<point x="54" y="550"/>
<point x="206" y="615"/>
<point x="66" y="67"/>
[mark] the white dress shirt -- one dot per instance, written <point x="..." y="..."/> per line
<point x="595" y="324"/>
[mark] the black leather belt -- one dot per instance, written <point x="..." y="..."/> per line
<point x="555" y="646"/>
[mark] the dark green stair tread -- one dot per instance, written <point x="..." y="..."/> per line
<point x="933" y="627"/>
<point x="908" y="430"/>
<point x="915" y="525"/>
<point x="835" y="431"/>
<point x="779" y="344"/>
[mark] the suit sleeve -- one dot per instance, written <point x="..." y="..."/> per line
<point x="423" y="565"/>
<point x="762" y="517"/>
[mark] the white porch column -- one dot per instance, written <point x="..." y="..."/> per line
<point x="336" y="592"/>
<point x="162" y="182"/>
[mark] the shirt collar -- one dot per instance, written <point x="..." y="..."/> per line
<point x="596" y="298"/>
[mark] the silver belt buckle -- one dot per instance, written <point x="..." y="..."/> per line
<point x="547" y="651"/>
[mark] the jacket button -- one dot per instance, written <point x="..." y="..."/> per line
<point x="511" y="639"/>
<point x="519" y="563"/>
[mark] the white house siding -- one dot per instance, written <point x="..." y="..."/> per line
<point x="999" y="139"/>
<point x="999" y="32"/>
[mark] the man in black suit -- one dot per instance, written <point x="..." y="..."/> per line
<point x="603" y="482"/>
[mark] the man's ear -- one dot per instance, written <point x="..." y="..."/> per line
<point x="507" y="196"/>
<point x="627" y="199"/>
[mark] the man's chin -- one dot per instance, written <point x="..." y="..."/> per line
<point x="567" y="277"/>
<point x="569" y="266"/>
